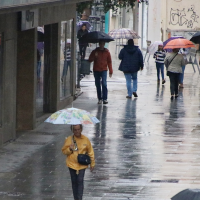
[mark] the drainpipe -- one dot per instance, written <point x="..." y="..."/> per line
<point x="107" y="16"/>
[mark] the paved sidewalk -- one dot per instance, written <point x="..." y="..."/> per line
<point x="146" y="148"/>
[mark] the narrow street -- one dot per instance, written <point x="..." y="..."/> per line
<point x="146" y="148"/>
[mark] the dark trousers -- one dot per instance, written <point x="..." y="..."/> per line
<point x="82" y="49"/>
<point x="101" y="80"/>
<point x="77" y="183"/>
<point x="174" y="80"/>
<point x="67" y="63"/>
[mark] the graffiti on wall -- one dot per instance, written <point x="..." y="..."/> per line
<point x="183" y="17"/>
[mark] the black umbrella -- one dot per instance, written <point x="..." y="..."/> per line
<point x="188" y="194"/>
<point x="196" y="38"/>
<point x="95" y="37"/>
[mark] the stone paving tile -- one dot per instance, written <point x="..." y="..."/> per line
<point x="146" y="148"/>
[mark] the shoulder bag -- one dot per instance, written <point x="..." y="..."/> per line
<point x="83" y="159"/>
<point x="167" y="63"/>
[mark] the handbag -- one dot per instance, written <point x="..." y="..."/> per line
<point x="167" y="63"/>
<point x="83" y="159"/>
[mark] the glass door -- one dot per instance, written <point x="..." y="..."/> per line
<point x="65" y="59"/>
<point x="40" y="72"/>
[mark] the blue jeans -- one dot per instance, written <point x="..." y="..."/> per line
<point x="128" y="77"/>
<point x="77" y="183"/>
<point x="181" y="77"/>
<point x="101" y="81"/>
<point x="160" y="67"/>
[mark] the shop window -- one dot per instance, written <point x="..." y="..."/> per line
<point x="40" y="72"/>
<point x="65" y="59"/>
<point x="1" y="72"/>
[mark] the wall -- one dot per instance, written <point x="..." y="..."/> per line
<point x="183" y="14"/>
<point x="8" y="26"/>
<point x="154" y="20"/>
<point x="177" y="17"/>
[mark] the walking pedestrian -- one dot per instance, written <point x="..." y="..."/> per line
<point x="131" y="62"/>
<point x="67" y="58"/>
<point x="184" y="52"/>
<point x="74" y="145"/>
<point x="102" y="62"/>
<point x="159" y="56"/>
<point x="175" y="62"/>
<point x="82" y="45"/>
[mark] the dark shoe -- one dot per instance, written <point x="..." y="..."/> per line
<point x="105" y="102"/>
<point x="128" y="97"/>
<point x="176" y="96"/>
<point x="163" y="81"/>
<point x="172" y="97"/>
<point x="135" y="94"/>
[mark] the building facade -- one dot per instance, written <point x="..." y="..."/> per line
<point x="37" y="62"/>
<point x="160" y="20"/>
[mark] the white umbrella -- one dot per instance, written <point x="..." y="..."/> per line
<point x="154" y="47"/>
<point x="72" y="116"/>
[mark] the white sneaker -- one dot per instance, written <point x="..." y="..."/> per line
<point x="105" y="101"/>
<point x="100" y="102"/>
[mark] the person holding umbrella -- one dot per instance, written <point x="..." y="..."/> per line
<point x="102" y="62"/>
<point x="74" y="145"/>
<point x="174" y="63"/>
<point x="82" y="44"/>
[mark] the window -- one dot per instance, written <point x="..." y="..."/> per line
<point x="1" y="72"/>
<point x="40" y="74"/>
<point x="65" y="58"/>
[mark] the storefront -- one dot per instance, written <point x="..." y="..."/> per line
<point x="37" y="68"/>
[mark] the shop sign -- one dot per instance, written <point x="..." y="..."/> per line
<point x="186" y="34"/>
<point x="29" y="19"/>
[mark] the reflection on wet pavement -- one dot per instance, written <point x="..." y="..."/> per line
<point x="146" y="148"/>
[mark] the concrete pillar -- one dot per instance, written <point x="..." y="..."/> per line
<point x="26" y="79"/>
<point x="51" y="67"/>
<point x="136" y="17"/>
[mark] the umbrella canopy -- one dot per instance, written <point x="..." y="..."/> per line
<point x="168" y="40"/>
<point x="40" y="34"/>
<point x="95" y="37"/>
<point x="72" y="116"/>
<point x="196" y="38"/>
<point x="171" y="38"/>
<point x="154" y="47"/>
<point x="188" y="194"/>
<point x="179" y="43"/>
<point x="123" y="33"/>
<point x="80" y="23"/>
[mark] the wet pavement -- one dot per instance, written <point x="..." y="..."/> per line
<point x="146" y="148"/>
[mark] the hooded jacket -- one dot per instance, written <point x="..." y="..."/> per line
<point x="102" y="60"/>
<point x="131" y="59"/>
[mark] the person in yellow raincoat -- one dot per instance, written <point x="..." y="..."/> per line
<point x="77" y="171"/>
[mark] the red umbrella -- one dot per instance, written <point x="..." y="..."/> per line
<point x="179" y="43"/>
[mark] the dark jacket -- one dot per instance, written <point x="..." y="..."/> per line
<point x="80" y="34"/>
<point x="132" y="59"/>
